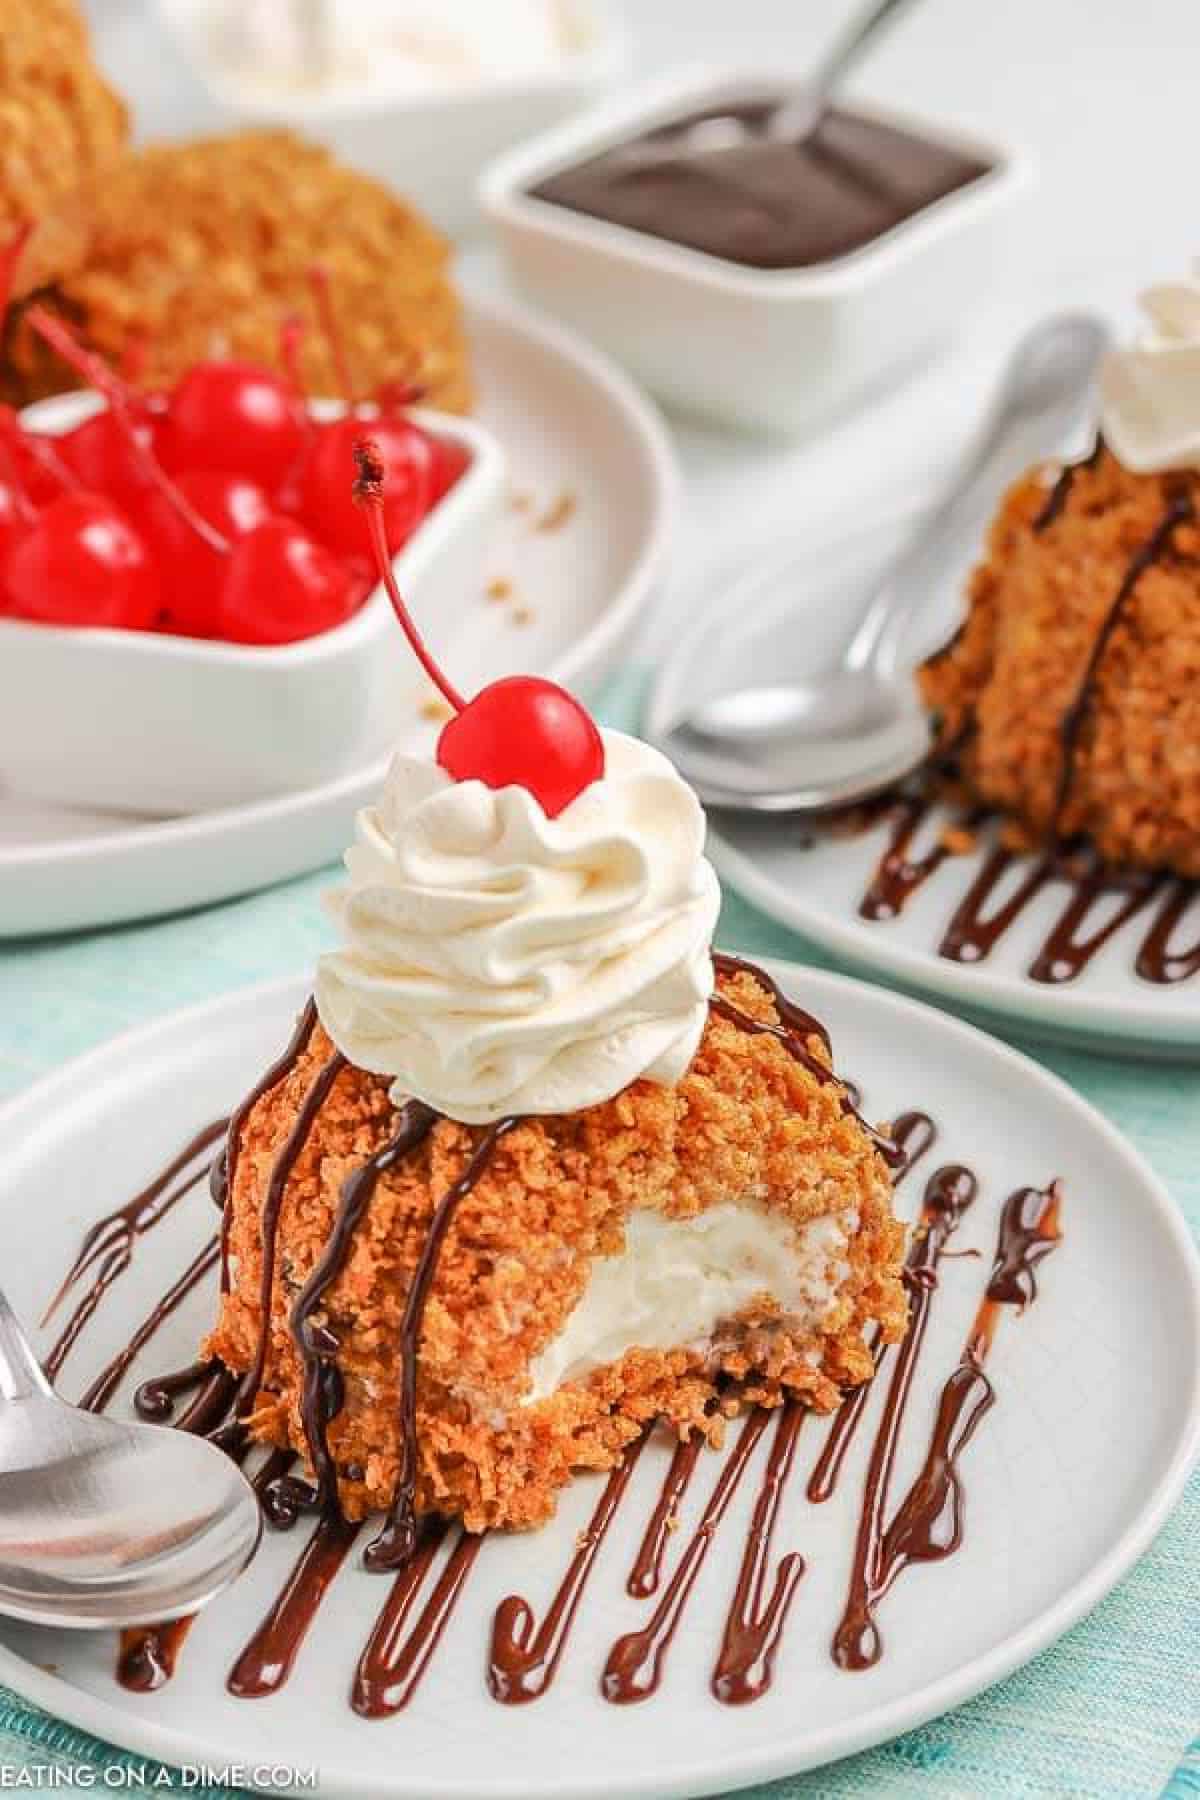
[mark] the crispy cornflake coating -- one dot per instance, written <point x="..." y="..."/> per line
<point x="60" y="123"/>
<point x="746" y="1123"/>
<point x="1037" y="603"/>
<point x="203" y="248"/>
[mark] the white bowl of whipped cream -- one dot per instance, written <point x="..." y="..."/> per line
<point x="419" y="93"/>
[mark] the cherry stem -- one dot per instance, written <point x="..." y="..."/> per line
<point x="10" y="256"/>
<point x="134" y="358"/>
<point x="98" y="375"/>
<point x="368" y="492"/>
<point x="318" y="280"/>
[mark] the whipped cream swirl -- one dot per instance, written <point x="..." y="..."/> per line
<point x="496" y="961"/>
<point x="1150" y="391"/>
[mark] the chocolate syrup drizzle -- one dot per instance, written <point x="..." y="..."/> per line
<point x="524" y="1655"/>
<point x="979" y="921"/>
<point x="397" y="1539"/>
<point x="107" y="1248"/>
<point x="793" y="1031"/>
<point x="927" y="1526"/>
<point x="317" y="1344"/>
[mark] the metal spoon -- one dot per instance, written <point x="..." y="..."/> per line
<point x="801" y="738"/>
<point x="103" y="1523"/>
<point x="798" y="114"/>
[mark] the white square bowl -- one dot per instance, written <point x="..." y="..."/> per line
<point x="430" y="146"/>
<point x="138" y="721"/>
<point x="776" y="350"/>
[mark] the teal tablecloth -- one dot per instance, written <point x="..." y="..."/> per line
<point x="1108" y="1712"/>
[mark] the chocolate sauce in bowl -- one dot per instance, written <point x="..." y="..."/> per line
<point x="765" y="202"/>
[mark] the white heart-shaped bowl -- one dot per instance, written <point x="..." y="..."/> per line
<point x="146" y="722"/>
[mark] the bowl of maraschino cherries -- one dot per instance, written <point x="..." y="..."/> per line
<point x="190" y="613"/>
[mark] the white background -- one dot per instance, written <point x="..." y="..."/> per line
<point x="1105" y="94"/>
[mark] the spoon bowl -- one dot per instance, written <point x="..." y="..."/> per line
<point x="798" y="727"/>
<point x="104" y="1523"/>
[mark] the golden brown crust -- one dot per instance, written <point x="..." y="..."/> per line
<point x="748" y="1119"/>
<point x="60" y="123"/>
<point x="1037" y="602"/>
<point x="204" y="248"/>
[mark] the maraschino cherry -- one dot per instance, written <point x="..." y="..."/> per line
<point x="517" y="732"/>
<point x="233" y="506"/>
<point x="225" y="410"/>
<point x="82" y="563"/>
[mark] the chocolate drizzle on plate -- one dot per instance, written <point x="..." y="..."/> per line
<point x="107" y="1248"/>
<point x="636" y="1661"/>
<point x="646" y="1573"/>
<point x="525" y="1655"/>
<point x="927" y="1526"/>
<point x="754" y="1624"/>
<point x="207" y="1397"/>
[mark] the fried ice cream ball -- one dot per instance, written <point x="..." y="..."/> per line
<point x="205" y="248"/>
<point x="1008" y="681"/>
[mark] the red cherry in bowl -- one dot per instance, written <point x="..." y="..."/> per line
<point x="196" y="568"/>
<point x="99" y="452"/>
<point x="82" y="563"/>
<point x="223" y="412"/>
<point x="525" y="732"/>
<point x="282" y="585"/>
<point x="325" y="496"/>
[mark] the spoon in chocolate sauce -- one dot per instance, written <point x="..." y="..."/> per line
<point x="792" y="118"/>
<point x="793" y="732"/>
<point x="104" y="1523"/>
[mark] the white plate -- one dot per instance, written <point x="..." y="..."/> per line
<point x="815" y="885"/>
<point x="1068" y="1478"/>
<point x="570" y="424"/>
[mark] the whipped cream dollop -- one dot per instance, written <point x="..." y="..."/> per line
<point x="1150" y="390"/>
<point x="496" y="961"/>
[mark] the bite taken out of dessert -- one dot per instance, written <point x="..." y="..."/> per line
<point x="537" y="1168"/>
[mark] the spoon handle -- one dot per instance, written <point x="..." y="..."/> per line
<point x="850" y="45"/>
<point x="21" y="1376"/>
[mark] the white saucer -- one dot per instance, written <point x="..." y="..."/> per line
<point x="814" y="884"/>
<point x="571" y="425"/>
<point x="1068" y="1478"/>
